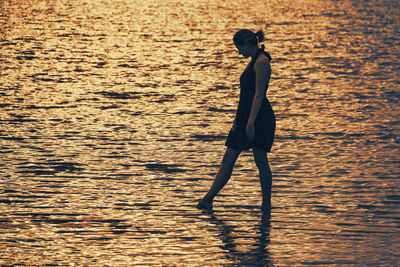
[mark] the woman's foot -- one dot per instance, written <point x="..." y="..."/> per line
<point x="204" y="205"/>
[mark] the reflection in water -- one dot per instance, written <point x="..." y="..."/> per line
<point x="258" y="255"/>
<point x="113" y="115"/>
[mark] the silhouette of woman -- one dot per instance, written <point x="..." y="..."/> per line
<point x="254" y="124"/>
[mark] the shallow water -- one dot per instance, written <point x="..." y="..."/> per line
<point x="114" y="116"/>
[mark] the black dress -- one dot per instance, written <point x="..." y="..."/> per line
<point x="265" y="121"/>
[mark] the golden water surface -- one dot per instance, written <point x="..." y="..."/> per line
<point x="113" y="117"/>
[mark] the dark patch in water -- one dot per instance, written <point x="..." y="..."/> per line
<point x="43" y="107"/>
<point x="57" y="221"/>
<point x="185" y="112"/>
<point x="25" y="57"/>
<point x="123" y="95"/>
<point x="9" y="201"/>
<point x="13" y="138"/>
<point x="49" y="168"/>
<point x="393" y="197"/>
<point x="9" y="191"/>
<point x="294" y="137"/>
<point x="109" y="107"/>
<point x="221" y="110"/>
<point x="118" y="232"/>
<point x="127" y="66"/>
<point x="165" y="98"/>
<point x="167" y="168"/>
<point x="391" y="96"/>
<point x="208" y="137"/>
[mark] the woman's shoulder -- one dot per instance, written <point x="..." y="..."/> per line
<point x="262" y="58"/>
<point x="262" y="62"/>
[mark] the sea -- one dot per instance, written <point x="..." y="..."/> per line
<point x="113" y="119"/>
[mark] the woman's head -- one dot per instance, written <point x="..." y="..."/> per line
<point x="246" y="41"/>
<point x="247" y="37"/>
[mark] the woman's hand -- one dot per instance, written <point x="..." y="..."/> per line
<point x="250" y="132"/>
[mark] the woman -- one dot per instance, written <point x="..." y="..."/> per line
<point x="254" y="125"/>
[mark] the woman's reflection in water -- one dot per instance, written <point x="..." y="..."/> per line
<point x="258" y="255"/>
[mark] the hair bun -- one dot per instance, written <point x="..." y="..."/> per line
<point x="260" y="36"/>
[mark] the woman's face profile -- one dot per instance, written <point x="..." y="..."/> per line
<point x="243" y="50"/>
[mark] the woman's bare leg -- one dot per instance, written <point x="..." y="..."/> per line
<point x="221" y="178"/>
<point x="261" y="159"/>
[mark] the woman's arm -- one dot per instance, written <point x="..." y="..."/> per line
<point x="263" y="74"/>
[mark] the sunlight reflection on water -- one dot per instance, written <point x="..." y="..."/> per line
<point x="114" y="116"/>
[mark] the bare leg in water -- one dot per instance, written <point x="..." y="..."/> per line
<point x="221" y="179"/>
<point x="261" y="159"/>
